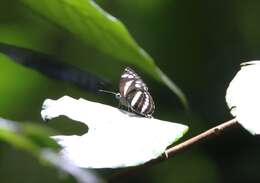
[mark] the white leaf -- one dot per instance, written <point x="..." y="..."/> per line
<point x="243" y="96"/>
<point x="115" y="138"/>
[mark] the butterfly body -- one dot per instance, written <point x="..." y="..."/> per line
<point x="133" y="94"/>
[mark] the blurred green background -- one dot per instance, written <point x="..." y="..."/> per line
<point x="198" y="44"/>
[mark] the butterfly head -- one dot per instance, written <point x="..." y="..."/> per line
<point x="118" y="96"/>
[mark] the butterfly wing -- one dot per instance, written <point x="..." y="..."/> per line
<point x="135" y="92"/>
<point x="130" y="81"/>
<point x="141" y="102"/>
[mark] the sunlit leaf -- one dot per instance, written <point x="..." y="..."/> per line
<point x="115" y="138"/>
<point x="243" y="96"/>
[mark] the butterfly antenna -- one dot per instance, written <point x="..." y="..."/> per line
<point x="105" y="91"/>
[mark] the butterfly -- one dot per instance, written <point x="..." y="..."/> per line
<point x="133" y="94"/>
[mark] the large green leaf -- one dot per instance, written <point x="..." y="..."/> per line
<point x="94" y="26"/>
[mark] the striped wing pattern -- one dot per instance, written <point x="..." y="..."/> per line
<point x="135" y="92"/>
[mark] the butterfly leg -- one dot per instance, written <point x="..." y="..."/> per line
<point x="148" y="116"/>
<point x="119" y="105"/>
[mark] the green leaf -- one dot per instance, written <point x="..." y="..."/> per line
<point x="39" y="135"/>
<point x="94" y="26"/>
<point x="28" y="136"/>
<point x="35" y="140"/>
<point x="11" y="137"/>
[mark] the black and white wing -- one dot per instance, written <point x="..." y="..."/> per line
<point x="141" y="102"/>
<point x="135" y="92"/>
<point x="130" y="81"/>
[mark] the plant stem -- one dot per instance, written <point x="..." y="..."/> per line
<point x="194" y="140"/>
<point x="177" y="149"/>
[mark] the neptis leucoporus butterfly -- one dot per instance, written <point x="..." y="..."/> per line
<point x="133" y="94"/>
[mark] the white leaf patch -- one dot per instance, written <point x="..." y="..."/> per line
<point x="115" y="138"/>
<point x="243" y="96"/>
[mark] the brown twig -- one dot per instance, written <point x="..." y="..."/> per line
<point x="177" y="149"/>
